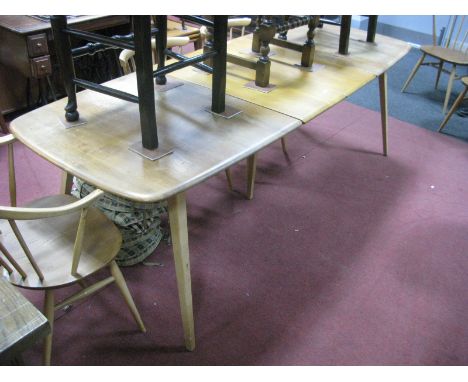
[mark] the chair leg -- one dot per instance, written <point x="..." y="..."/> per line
<point x="229" y="178"/>
<point x="449" y="88"/>
<point x="457" y="103"/>
<point x="122" y="285"/>
<point x="384" y="111"/>
<point x="283" y="146"/>
<point x="49" y="311"/>
<point x="413" y="72"/>
<point x="251" y="171"/>
<point x="439" y="70"/>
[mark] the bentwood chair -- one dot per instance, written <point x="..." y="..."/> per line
<point x="58" y="241"/>
<point x="453" y="51"/>
<point x="456" y="104"/>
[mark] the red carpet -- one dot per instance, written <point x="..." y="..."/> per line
<point x="344" y="257"/>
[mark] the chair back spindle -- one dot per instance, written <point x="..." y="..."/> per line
<point x="12" y="261"/>
<point x="26" y="250"/>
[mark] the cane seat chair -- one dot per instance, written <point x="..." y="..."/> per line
<point x="58" y="241"/>
<point x="453" y="51"/>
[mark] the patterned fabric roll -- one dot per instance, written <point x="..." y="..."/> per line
<point x="139" y="223"/>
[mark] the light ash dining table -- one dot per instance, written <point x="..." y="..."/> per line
<point x="200" y="143"/>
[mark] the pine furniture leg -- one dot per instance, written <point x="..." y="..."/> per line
<point x="180" y="248"/>
<point x="49" y="310"/>
<point x="284" y="146"/>
<point x="229" y="178"/>
<point x="66" y="183"/>
<point x="439" y="70"/>
<point x="251" y="171"/>
<point x="384" y="110"/>
<point x="413" y="72"/>
<point x="122" y="285"/>
<point x="454" y="107"/>
<point x="449" y="88"/>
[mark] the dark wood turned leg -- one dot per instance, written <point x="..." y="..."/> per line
<point x="345" y="31"/>
<point x="284" y="35"/>
<point x="3" y="124"/>
<point x="161" y="43"/>
<point x="144" y="74"/>
<point x="43" y="91"/>
<point x="218" y="96"/>
<point x="255" y="36"/>
<point x="52" y="88"/>
<point x="371" y="28"/>
<point x="65" y="60"/>
<point x="262" y="72"/>
<point x="208" y="46"/>
<point x="308" y="50"/>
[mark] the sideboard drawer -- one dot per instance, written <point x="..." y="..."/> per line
<point x="37" y="45"/>
<point x="41" y="66"/>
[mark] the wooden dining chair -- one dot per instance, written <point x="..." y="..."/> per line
<point x="126" y="56"/>
<point x="233" y="23"/>
<point x="456" y="104"/>
<point x="58" y="241"/>
<point x="453" y="51"/>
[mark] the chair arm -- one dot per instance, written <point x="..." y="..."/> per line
<point x="239" y="22"/>
<point x="31" y="213"/>
<point x="6" y="139"/>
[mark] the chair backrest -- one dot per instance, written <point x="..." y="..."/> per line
<point x="232" y="23"/>
<point x="241" y="22"/>
<point x="456" y="33"/>
<point x="13" y="213"/>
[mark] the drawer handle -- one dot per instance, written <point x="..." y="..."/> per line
<point x="43" y="66"/>
<point x="39" y="44"/>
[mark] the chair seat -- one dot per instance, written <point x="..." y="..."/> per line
<point x="51" y="242"/>
<point x="465" y="80"/>
<point x="446" y="54"/>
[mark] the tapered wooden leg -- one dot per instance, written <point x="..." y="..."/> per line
<point x="413" y="72"/>
<point x="449" y="88"/>
<point x="439" y="70"/>
<point x="180" y="248"/>
<point x="251" y="171"/>
<point x="49" y="313"/>
<point x="457" y="103"/>
<point x="122" y="285"/>
<point x="283" y="146"/>
<point x="229" y="178"/>
<point x="384" y="110"/>
<point x="66" y="183"/>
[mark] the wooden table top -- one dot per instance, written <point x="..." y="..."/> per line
<point x="97" y="152"/>
<point x="374" y="58"/>
<point x="300" y="93"/>
<point x="21" y="324"/>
